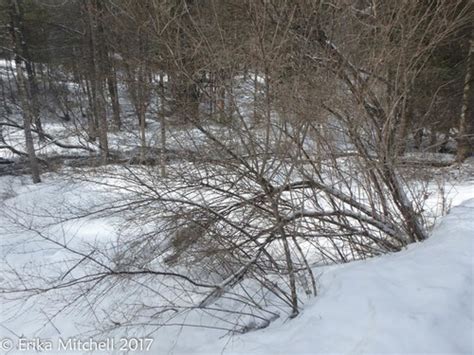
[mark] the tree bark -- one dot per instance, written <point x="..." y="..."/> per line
<point x="23" y="47"/>
<point x="33" y="87"/>
<point x="162" y="128"/>
<point x="24" y="91"/>
<point x="97" y="80"/>
<point x="106" y="64"/>
<point x="113" y="92"/>
<point x="466" y="125"/>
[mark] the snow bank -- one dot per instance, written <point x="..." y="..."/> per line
<point x="416" y="301"/>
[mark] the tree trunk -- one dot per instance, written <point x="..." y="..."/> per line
<point x="24" y="91"/>
<point x="221" y="94"/>
<point x="162" y="128"/>
<point x="105" y="64"/>
<point x="406" y="117"/>
<point x="97" y="80"/>
<point x="143" y="146"/>
<point x="30" y="75"/>
<point x="255" y="97"/>
<point x="27" y="120"/>
<point x="33" y="87"/>
<point x="113" y="92"/>
<point x="466" y="125"/>
<point x="90" y="113"/>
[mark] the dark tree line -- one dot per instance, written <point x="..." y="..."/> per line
<point x="104" y="45"/>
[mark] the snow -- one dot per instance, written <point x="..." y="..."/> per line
<point x="416" y="301"/>
<point x="419" y="300"/>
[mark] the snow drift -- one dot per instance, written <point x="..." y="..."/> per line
<point x="417" y="301"/>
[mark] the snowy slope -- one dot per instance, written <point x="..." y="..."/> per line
<point x="416" y="301"/>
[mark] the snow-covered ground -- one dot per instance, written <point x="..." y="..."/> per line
<point x="419" y="300"/>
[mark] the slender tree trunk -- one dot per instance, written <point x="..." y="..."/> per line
<point x="255" y="97"/>
<point x="220" y="103"/>
<point x="24" y="92"/>
<point x="113" y="92"/>
<point x="466" y="126"/>
<point x="97" y="80"/>
<point x="10" y="80"/>
<point x="143" y="146"/>
<point x="405" y="119"/>
<point x="90" y="113"/>
<point x="27" y="120"/>
<point x="31" y="77"/>
<point x="162" y="128"/>
<point x="141" y="108"/>
<point x="105" y="63"/>
<point x="6" y="107"/>
<point x="212" y="91"/>
<point x="33" y="87"/>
